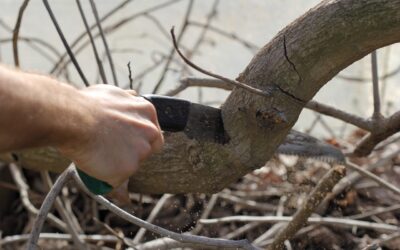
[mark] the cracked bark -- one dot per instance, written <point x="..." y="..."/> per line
<point x="320" y="43"/>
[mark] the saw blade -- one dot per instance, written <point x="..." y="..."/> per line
<point x="303" y="145"/>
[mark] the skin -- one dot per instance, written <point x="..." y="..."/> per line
<point x="105" y="130"/>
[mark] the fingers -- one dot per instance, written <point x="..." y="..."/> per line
<point x="156" y="139"/>
<point x="132" y="92"/>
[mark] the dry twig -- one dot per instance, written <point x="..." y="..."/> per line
<point x="46" y="206"/>
<point x="23" y="191"/>
<point x="196" y="240"/>
<point x="16" y="31"/>
<point x="313" y="200"/>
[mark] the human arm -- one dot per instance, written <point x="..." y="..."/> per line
<point x="106" y="131"/>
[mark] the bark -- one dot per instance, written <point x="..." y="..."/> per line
<point x="294" y="66"/>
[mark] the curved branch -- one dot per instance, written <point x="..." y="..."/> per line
<point x="16" y="31"/>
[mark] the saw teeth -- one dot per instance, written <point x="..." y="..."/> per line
<point x="305" y="146"/>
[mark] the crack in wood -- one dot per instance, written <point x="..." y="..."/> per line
<point x="290" y="62"/>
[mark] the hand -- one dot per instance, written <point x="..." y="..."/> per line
<point x="122" y="130"/>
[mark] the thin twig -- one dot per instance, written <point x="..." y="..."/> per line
<point x="339" y="114"/>
<point x="125" y="240"/>
<point x="325" y="125"/>
<point x="130" y="75"/>
<point x="96" y="54"/>
<point x="352" y="178"/>
<point x="109" y="29"/>
<point x="46" y="206"/>
<point x="233" y="82"/>
<point x="375" y="212"/>
<point x="241" y="230"/>
<point x="270" y="233"/>
<point x="206" y="213"/>
<point x="103" y="38"/>
<point x="367" y="80"/>
<point x="58" y="236"/>
<point x="187" y="82"/>
<point x="248" y="203"/>
<point x="247" y="44"/>
<point x="82" y="35"/>
<point x="16" y="31"/>
<point x="340" y="222"/>
<point x="375" y="88"/>
<point x="189" y="53"/>
<point x="200" y="240"/>
<point x="72" y="224"/>
<point x="370" y="175"/>
<point x="65" y="43"/>
<point x="23" y="192"/>
<point x="171" y="53"/>
<point x="313" y="200"/>
<point x="157" y="208"/>
<point x="167" y="244"/>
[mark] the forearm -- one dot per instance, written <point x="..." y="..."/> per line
<point x="106" y="131"/>
<point x="37" y="110"/>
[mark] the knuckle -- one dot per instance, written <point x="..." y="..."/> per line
<point x="151" y="110"/>
<point x="146" y="150"/>
<point x="153" y="133"/>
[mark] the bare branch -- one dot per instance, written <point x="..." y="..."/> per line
<point x="187" y="82"/>
<point x="247" y="44"/>
<point x="384" y="129"/>
<point x="16" y="31"/>
<point x="139" y="235"/>
<point x="58" y="236"/>
<point x="209" y="18"/>
<point x="206" y="213"/>
<point x="313" y="200"/>
<point x="81" y="36"/>
<point x="340" y="222"/>
<point x="130" y="75"/>
<point x="72" y="223"/>
<point x="171" y="53"/>
<point x="23" y="192"/>
<point x="375" y="88"/>
<point x="199" y="240"/>
<point x="352" y="178"/>
<point x="65" y="43"/>
<point x="339" y="114"/>
<point x="375" y="212"/>
<point x="222" y="78"/>
<point x="103" y="38"/>
<point x="46" y="206"/>
<point x="375" y="178"/>
<point x="96" y="54"/>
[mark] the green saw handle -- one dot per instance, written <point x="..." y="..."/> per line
<point x="95" y="186"/>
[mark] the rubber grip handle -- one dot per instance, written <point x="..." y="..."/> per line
<point x="95" y="186"/>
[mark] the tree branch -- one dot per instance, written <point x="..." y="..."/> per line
<point x="313" y="200"/>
